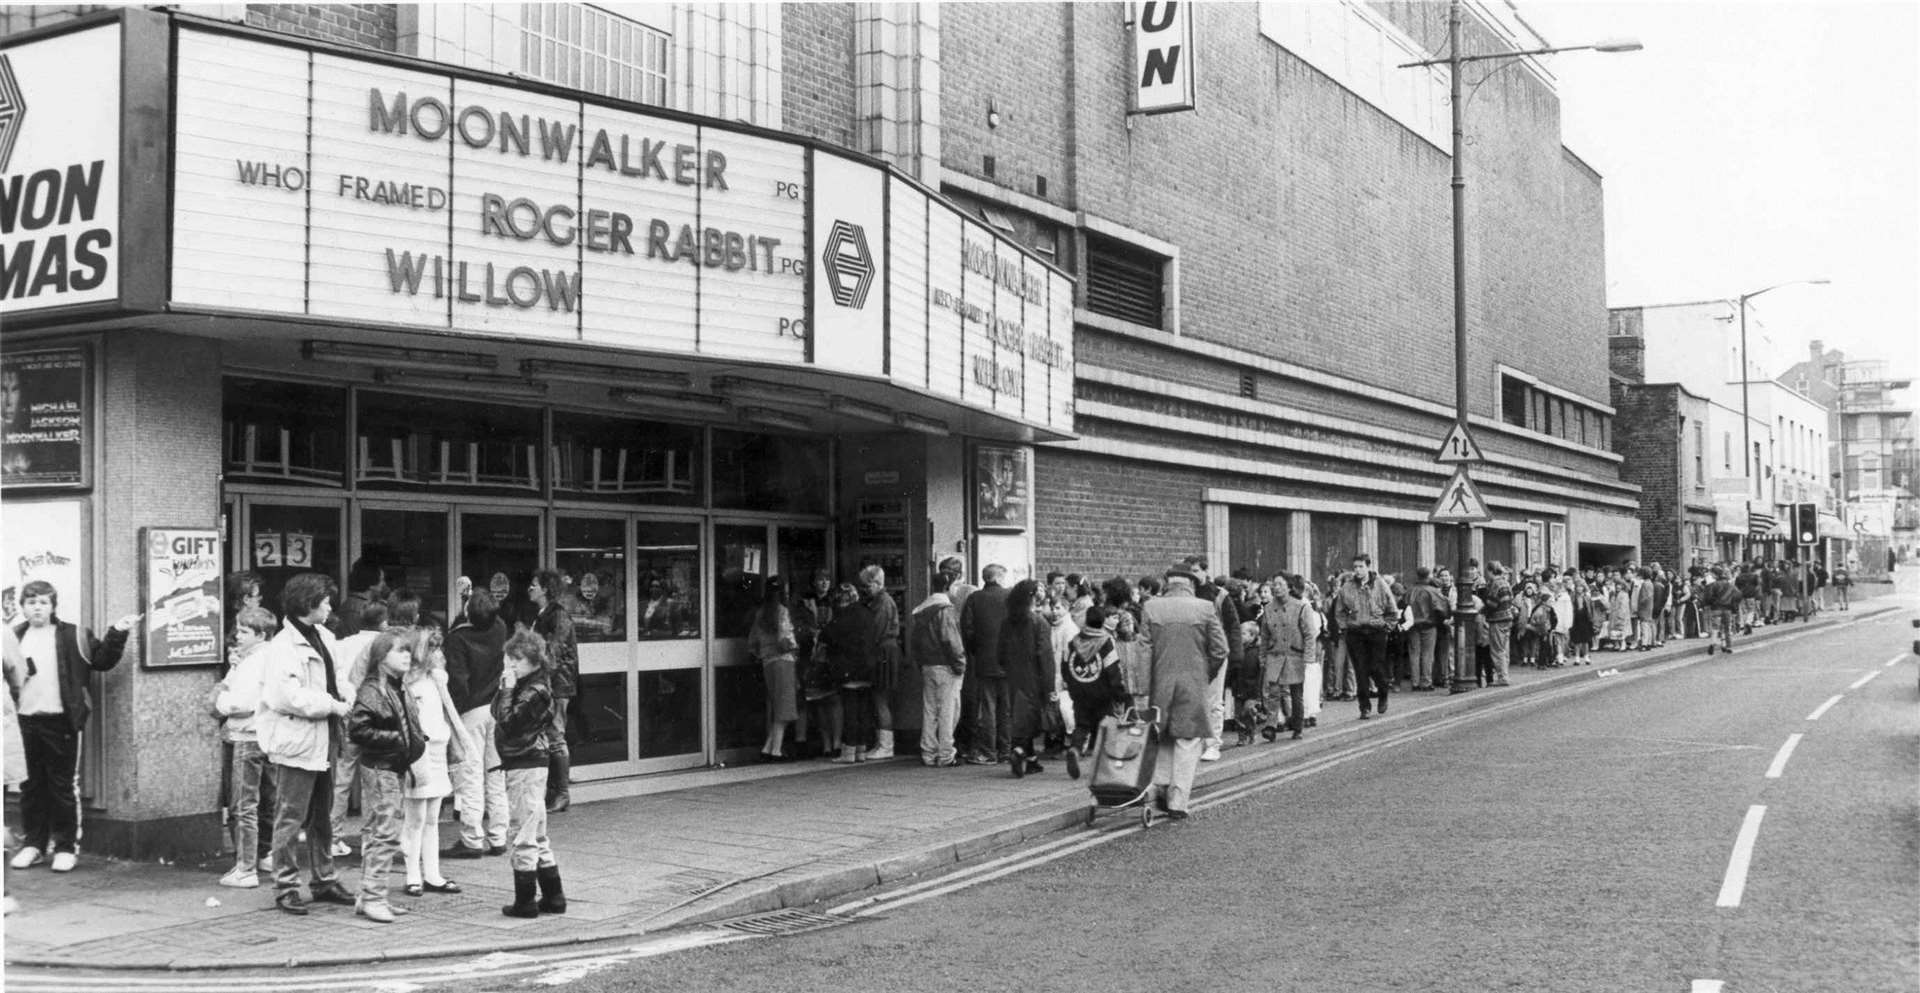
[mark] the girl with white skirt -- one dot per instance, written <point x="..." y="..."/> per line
<point x="428" y="783"/>
<point x="1313" y="682"/>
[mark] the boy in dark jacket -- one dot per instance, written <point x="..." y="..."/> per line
<point x="1095" y="684"/>
<point x="522" y="721"/>
<point x="50" y="694"/>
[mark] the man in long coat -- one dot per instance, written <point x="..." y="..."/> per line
<point x="1188" y="646"/>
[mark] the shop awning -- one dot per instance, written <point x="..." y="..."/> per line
<point x="1833" y="527"/>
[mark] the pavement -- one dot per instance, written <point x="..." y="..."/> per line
<point x="712" y="846"/>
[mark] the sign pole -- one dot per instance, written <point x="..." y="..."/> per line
<point x="1463" y="662"/>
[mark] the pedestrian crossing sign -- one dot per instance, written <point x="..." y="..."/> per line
<point x="1460" y="502"/>
<point x="1459" y="447"/>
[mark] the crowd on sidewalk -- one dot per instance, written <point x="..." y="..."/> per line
<point x="416" y="709"/>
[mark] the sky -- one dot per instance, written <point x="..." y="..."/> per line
<point x="1754" y="143"/>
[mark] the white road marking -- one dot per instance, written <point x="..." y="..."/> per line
<point x="1896" y="660"/>
<point x="1822" y="709"/>
<point x="1864" y="680"/>
<point x="1736" y="881"/>
<point x="1786" y="752"/>
<point x="1708" y="985"/>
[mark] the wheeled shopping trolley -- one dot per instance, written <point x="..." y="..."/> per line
<point x="1123" y="760"/>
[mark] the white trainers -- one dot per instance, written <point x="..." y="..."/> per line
<point x="1212" y="754"/>
<point x="27" y="857"/>
<point x="266" y="863"/>
<point x="241" y="878"/>
<point x="341" y="849"/>
<point x="65" y="861"/>
<point x="880" y="754"/>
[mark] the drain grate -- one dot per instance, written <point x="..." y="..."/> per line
<point x="778" y="922"/>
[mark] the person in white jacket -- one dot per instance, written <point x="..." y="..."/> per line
<point x="299" y="723"/>
<point x="236" y="700"/>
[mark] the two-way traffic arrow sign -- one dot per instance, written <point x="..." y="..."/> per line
<point x="1459" y="447"/>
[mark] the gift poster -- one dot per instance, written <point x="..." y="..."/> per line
<point x="44" y="429"/>
<point x="181" y="596"/>
<point x="42" y="540"/>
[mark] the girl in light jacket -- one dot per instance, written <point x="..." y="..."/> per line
<point x="236" y="700"/>
<point x="772" y="641"/>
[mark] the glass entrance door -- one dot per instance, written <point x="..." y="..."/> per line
<point x="409" y="544"/>
<point x="590" y="552"/>
<point x="671" y="651"/>
<point x="284" y="538"/>
<point x="499" y="551"/>
<point x="742" y="562"/>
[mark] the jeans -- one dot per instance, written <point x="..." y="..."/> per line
<point x="940" y="712"/>
<point x="380" y="835"/>
<point x="304" y="799"/>
<point x="1174" y="768"/>
<point x="479" y="786"/>
<point x="1423" y="641"/>
<point x="1368" y="649"/>
<point x="249" y="767"/>
<point x="50" y="796"/>
<point x="1724" y="621"/>
<point x="557" y="741"/>
<point x="1338" y="672"/>
<point x="1216" y="707"/>
<point x="1499" y="643"/>
<point x="527" y="798"/>
<point x="992" y="714"/>
<point x="344" y="769"/>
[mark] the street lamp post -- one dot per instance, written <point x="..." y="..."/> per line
<point x="1746" y="418"/>
<point x="1463" y="675"/>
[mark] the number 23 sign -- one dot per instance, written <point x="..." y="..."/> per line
<point x="277" y="550"/>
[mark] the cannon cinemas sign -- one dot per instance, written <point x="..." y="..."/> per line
<point x="60" y="170"/>
<point x="319" y="185"/>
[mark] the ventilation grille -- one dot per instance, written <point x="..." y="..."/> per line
<point x="1124" y="282"/>
<point x="1249" y="387"/>
<point x="780" y="922"/>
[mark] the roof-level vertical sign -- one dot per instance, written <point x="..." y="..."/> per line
<point x="1162" y="35"/>
<point x="1460" y="502"/>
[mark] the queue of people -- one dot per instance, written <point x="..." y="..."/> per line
<point x="416" y="711"/>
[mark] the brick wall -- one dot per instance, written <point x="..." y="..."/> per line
<point x="1092" y="514"/>
<point x="1627" y="357"/>
<point x="1009" y="56"/>
<point x="1647" y="433"/>
<point x="1311" y="226"/>
<point x="816" y="81"/>
<point x="369" y="25"/>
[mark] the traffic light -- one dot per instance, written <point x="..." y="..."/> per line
<point x="1806" y="523"/>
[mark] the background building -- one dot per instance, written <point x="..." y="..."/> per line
<point x="1872" y="449"/>
<point x="1696" y="346"/>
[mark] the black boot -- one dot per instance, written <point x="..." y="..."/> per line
<point x="559" y="777"/>
<point x="553" y="899"/>
<point x="523" y="904"/>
